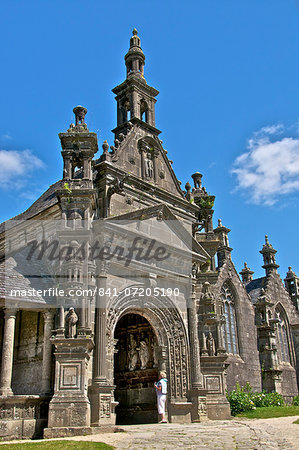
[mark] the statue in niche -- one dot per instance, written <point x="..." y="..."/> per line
<point x="149" y="166"/>
<point x="211" y="344"/>
<point x="144" y="353"/>
<point x="71" y="321"/>
<point x="132" y="353"/>
<point x="154" y="348"/>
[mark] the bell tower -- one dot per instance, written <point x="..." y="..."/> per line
<point x="135" y="98"/>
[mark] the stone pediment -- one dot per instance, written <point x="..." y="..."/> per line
<point x="159" y="223"/>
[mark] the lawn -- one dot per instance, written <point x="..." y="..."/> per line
<point x="271" y="411"/>
<point x="58" y="445"/>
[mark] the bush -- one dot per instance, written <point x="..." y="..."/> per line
<point x="240" y="399"/>
<point x="296" y="401"/>
<point x="243" y="399"/>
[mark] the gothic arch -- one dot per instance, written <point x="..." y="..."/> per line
<point x="283" y="335"/>
<point x="170" y="331"/>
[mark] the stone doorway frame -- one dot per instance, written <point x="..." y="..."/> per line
<point x="170" y="330"/>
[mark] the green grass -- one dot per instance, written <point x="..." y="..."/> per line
<point x="270" y="411"/>
<point x="296" y="421"/>
<point x="58" y="445"/>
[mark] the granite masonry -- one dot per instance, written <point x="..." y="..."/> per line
<point x="115" y="273"/>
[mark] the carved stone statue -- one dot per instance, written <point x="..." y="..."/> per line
<point x="132" y="353"/>
<point x="144" y="354"/>
<point x="71" y="320"/>
<point x="211" y="344"/>
<point x="149" y="167"/>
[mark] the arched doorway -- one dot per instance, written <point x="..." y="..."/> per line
<point x="135" y="370"/>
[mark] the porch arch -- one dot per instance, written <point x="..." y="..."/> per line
<point x="169" y="328"/>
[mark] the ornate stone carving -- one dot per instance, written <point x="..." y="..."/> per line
<point x="144" y="353"/>
<point x="166" y="321"/>
<point x="211" y="344"/>
<point x="105" y="401"/>
<point x="71" y="321"/>
<point x="132" y="354"/>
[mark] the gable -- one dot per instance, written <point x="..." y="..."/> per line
<point x="141" y="154"/>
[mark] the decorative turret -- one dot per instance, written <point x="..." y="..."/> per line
<point x="292" y="286"/>
<point x="246" y="274"/>
<point x="78" y="147"/>
<point x="135" y="98"/>
<point x="135" y="58"/>
<point x="224" y="250"/>
<point x="268" y="253"/>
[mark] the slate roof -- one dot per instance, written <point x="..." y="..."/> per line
<point x="45" y="201"/>
<point x="254" y="288"/>
<point x="12" y="278"/>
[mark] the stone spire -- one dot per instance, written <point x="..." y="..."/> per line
<point x="246" y="274"/>
<point x="135" y="58"/>
<point x="291" y="282"/>
<point x="135" y="98"/>
<point x="268" y="253"/>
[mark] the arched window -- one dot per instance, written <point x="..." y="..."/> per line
<point x="229" y="328"/>
<point x="144" y="111"/>
<point x="282" y="336"/>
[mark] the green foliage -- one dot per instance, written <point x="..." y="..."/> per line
<point x="66" y="186"/>
<point x="206" y="202"/>
<point x="296" y="401"/>
<point x="240" y="399"/>
<point x="271" y="411"/>
<point x="243" y="399"/>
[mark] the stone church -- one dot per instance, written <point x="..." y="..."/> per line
<point x="115" y="273"/>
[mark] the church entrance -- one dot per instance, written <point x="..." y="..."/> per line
<point x="135" y="371"/>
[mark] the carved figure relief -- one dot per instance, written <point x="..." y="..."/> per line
<point x="132" y="354"/>
<point x="211" y="344"/>
<point x="144" y="354"/>
<point x="149" y="166"/>
<point x="71" y="321"/>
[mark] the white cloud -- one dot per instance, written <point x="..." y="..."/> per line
<point x="16" y="167"/>
<point x="270" y="167"/>
<point x="6" y="137"/>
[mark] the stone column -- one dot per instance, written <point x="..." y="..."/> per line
<point x="60" y="328"/>
<point x="47" y="352"/>
<point x="100" y="364"/>
<point x="194" y="342"/>
<point x="7" y="352"/>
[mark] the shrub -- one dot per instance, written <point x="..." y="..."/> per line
<point x="240" y="399"/>
<point x="243" y="399"/>
<point x="296" y="401"/>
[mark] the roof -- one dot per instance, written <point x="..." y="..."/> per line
<point x="45" y="201"/>
<point x="254" y="288"/>
<point x="15" y="276"/>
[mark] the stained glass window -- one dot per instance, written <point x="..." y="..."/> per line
<point x="229" y="329"/>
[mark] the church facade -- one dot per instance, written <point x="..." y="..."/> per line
<point x="116" y="273"/>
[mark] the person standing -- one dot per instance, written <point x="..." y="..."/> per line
<point x="161" y="390"/>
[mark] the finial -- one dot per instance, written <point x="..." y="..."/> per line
<point x="266" y="240"/>
<point x="135" y="32"/>
<point x="219" y="223"/>
<point x="245" y="265"/>
<point x="188" y="186"/>
<point x="290" y="268"/>
<point x="80" y="113"/>
<point x="105" y="147"/>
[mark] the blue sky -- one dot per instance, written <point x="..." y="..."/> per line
<point x="228" y="106"/>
